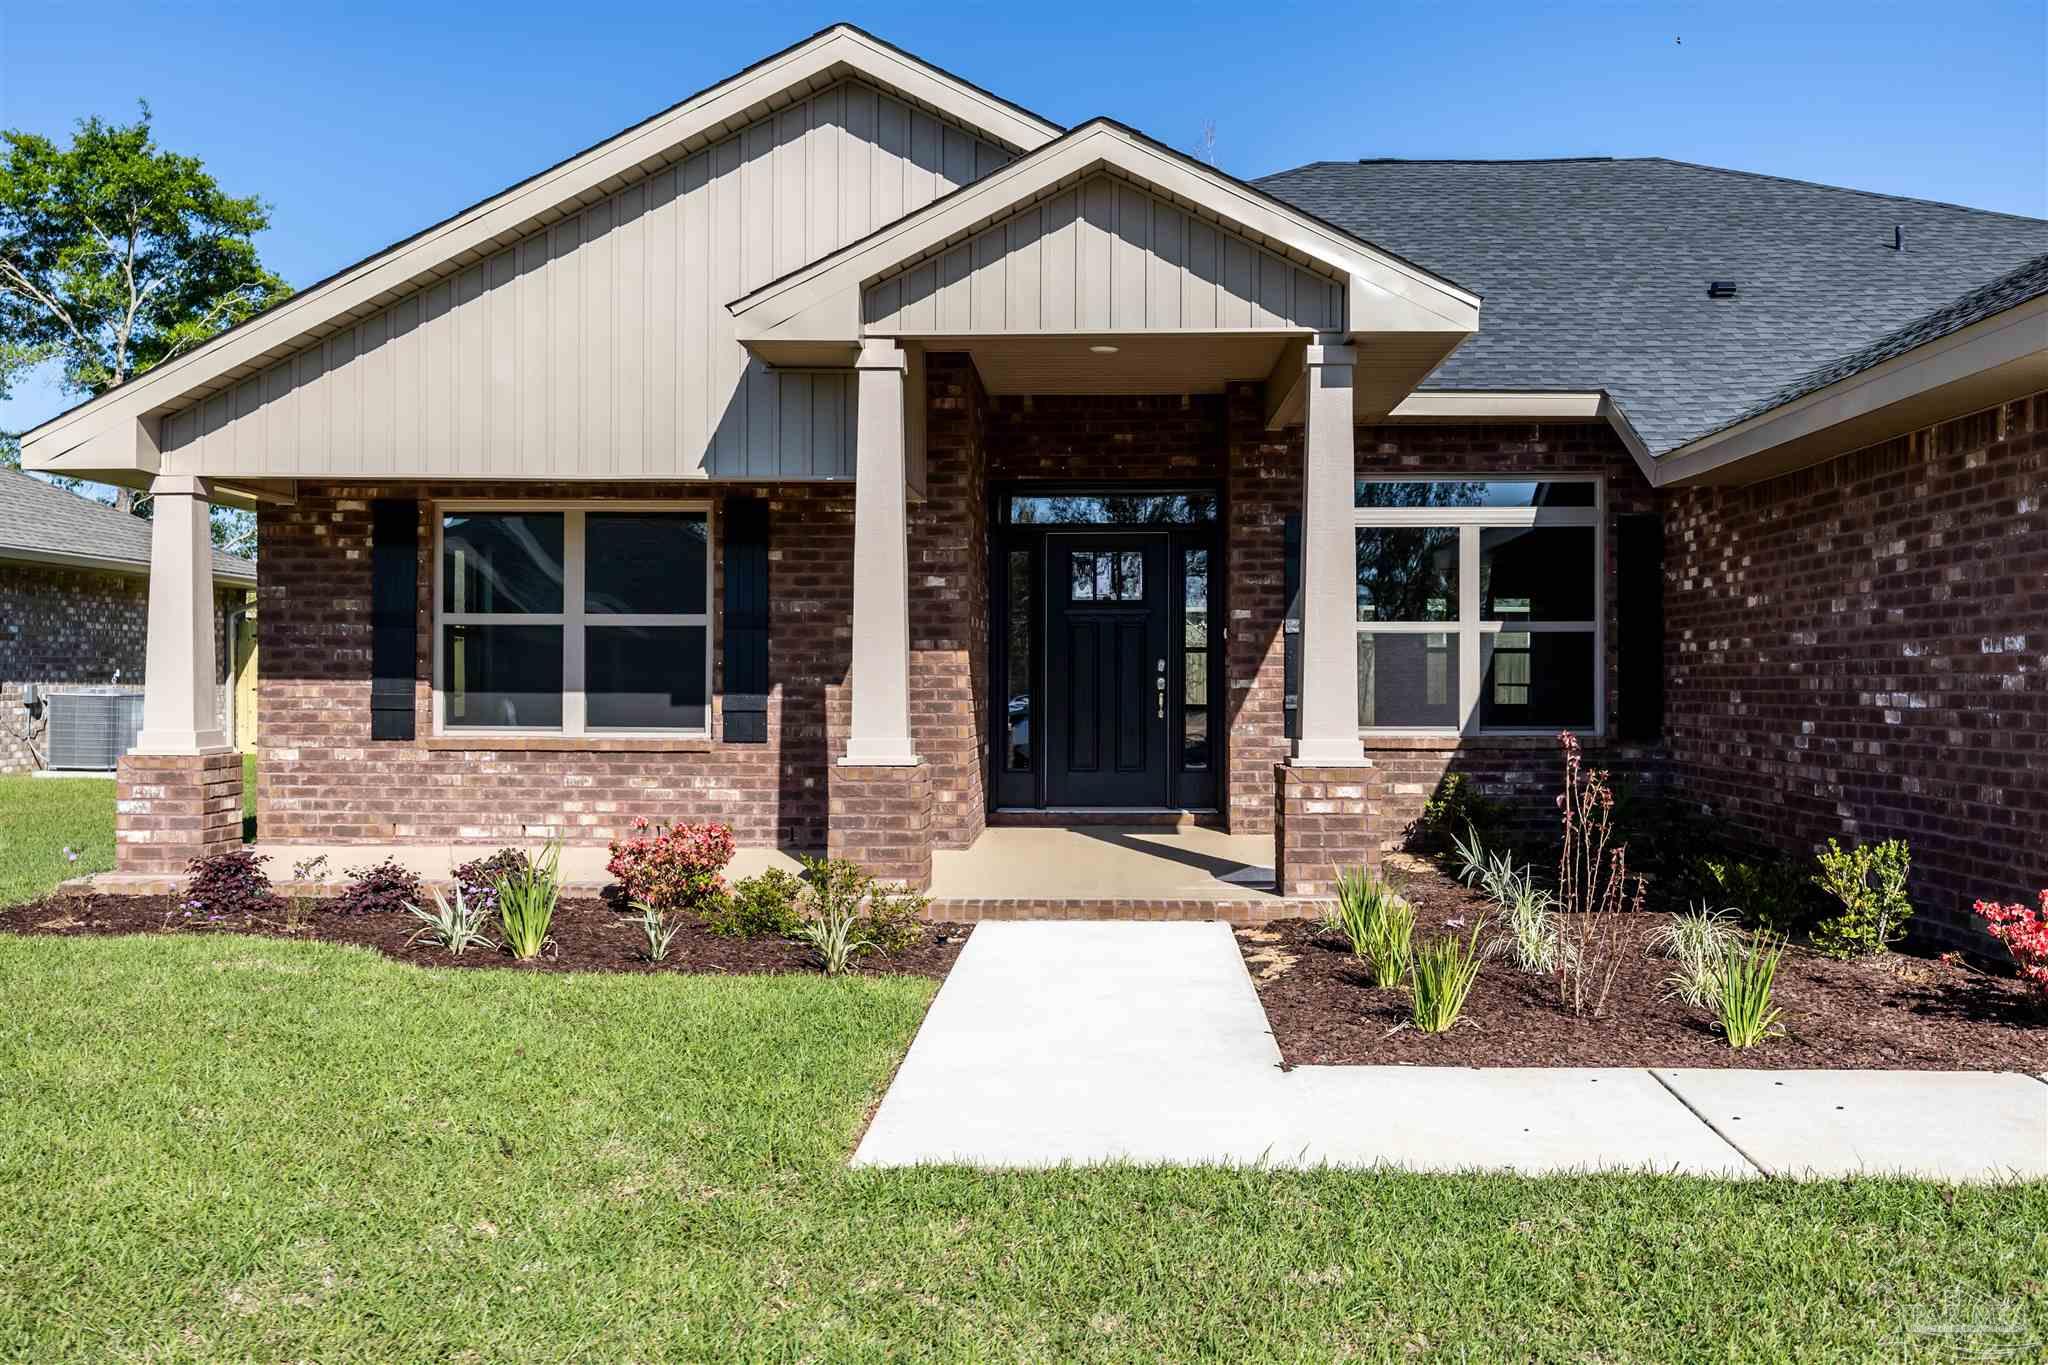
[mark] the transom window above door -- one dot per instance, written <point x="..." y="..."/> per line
<point x="574" y="619"/>
<point x="1479" y="605"/>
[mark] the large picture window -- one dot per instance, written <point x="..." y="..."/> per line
<point x="574" y="619"/>
<point x="1479" y="605"/>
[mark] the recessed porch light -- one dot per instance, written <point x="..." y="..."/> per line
<point x="1102" y="348"/>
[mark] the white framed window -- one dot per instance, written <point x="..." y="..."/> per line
<point x="1480" y="604"/>
<point x="572" y="618"/>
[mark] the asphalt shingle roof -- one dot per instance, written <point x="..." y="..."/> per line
<point x="1594" y="273"/>
<point x="39" y="519"/>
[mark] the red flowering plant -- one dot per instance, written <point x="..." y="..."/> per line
<point x="2024" y="932"/>
<point x="672" y="867"/>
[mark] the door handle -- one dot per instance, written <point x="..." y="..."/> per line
<point x="1160" y="689"/>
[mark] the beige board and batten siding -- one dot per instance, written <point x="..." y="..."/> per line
<point x="1104" y="255"/>
<point x="602" y="347"/>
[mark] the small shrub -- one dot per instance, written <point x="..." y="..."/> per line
<point x="1531" y="911"/>
<point x="1698" y="941"/>
<point x="832" y="912"/>
<point x="2024" y="932"/>
<point x="228" y="886"/>
<point x="1377" y="922"/>
<point x="526" y="904"/>
<point x="1743" y="1000"/>
<point x="660" y="932"/>
<point x="456" y="926"/>
<point x="479" y="877"/>
<point x="1769" y="891"/>
<point x="763" y="906"/>
<point x="298" y="907"/>
<point x="1455" y="805"/>
<point x="1445" y="969"/>
<point x="1869" y="880"/>
<point x="895" y="918"/>
<point x="673" y="867"/>
<point x="384" y="889"/>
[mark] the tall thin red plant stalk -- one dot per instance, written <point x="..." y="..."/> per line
<point x="1592" y="885"/>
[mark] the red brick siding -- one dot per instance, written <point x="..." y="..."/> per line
<point x="1861" y="650"/>
<point x="949" y="602"/>
<point x="322" y="777"/>
<point x="172" y="808"/>
<point x="1264" y="489"/>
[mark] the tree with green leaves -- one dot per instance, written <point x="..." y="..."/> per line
<point x="117" y="255"/>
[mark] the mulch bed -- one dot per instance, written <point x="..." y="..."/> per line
<point x="589" y="937"/>
<point x="1898" y="1012"/>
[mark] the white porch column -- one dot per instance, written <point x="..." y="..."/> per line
<point x="180" y="713"/>
<point x="881" y="567"/>
<point x="1329" y="631"/>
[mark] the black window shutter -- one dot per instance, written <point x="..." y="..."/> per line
<point x="394" y="608"/>
<point x="1291" y="626"/>
<point x="1639" y="622"/>
<point x="745" y="538"/>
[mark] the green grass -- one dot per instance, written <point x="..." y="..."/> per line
<point x="224" y="1148"/>
<point x="39" y="819"/>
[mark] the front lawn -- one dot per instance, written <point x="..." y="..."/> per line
<point x="41" y="818"/>
<point x="222" y="1147"/>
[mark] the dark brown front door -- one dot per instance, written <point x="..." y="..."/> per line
<point x="1108" y="596"/>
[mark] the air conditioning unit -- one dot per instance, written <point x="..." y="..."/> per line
<point x="91" y="728"/>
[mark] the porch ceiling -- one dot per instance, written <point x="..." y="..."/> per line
<point x="1147" y="363"/>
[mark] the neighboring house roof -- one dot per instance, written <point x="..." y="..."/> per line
<point x="1595" y="272"/>
<point x="42" y="523"/>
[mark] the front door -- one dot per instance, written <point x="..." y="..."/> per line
<point x="1107" y="598"/>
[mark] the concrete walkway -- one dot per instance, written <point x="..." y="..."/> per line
<point x="1091" y="1041"/>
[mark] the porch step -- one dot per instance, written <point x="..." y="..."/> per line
<point x="1238" y="913"/>
<point x="1165" y="817"/>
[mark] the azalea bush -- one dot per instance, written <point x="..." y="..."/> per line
<point x="2024" y="932"/>
<point x="478" y="878"/>
<point x="764" y="906"/>
<point x="673" y="867"/>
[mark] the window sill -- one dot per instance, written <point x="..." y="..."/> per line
<point x="573" y="744"/>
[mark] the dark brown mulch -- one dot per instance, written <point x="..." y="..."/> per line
<point x="1901" y="1012"/>
<point x="589" y="937"/>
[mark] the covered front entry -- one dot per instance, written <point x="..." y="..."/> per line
<point x="1104" y="660"/>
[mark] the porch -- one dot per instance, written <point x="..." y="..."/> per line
<point x="1075" y="871"/>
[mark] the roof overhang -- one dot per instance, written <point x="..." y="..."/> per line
<point x="230" y="578"/>
<point x="1532" y="405"/>
<point x="1988" y="362"/>
<point x="116" y="432"/>
<point x="1405" y="318"/>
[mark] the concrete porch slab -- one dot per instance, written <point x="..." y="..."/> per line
<point x="1107" y="862"/>
<point x="1938" y="1124"/>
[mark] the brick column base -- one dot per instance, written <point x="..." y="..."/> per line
<point x="881" y="818"/>
<point x="1322" y="823"/>
<point x="172" y="808"/>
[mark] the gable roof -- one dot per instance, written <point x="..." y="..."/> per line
<point x="1398" y="294"/>
<point x="1595" y="272"/>
<point x="44" y="524"/>
<point x="109" y="432"/>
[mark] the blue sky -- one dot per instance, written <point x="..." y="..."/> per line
<point x="362" y="123"/>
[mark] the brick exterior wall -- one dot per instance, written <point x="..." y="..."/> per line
<point x="323" y="779"/>
<point x="71" y="628"/>
<point x="949" y="602"/>
<point x="1860" y="650"/>
<point x="1321" y="825"/>
<point x="1264" y="489"/>
<point x="172" y="808"/>
<point x="881" y="818"/>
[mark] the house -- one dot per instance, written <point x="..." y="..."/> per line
<point x="74" y="599"/>
<point x="852" y="455"/>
